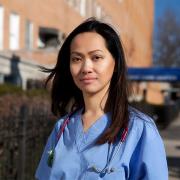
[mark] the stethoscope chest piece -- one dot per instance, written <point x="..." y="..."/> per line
<point x="50" y="158"/>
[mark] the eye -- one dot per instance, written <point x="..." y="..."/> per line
<point x="97" y="57"/>
<point x="76" y="59"/>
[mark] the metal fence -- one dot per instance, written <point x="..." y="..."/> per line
<point x="22" y="139"/>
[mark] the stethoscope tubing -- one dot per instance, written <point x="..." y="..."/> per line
<point x="107" y="167"/>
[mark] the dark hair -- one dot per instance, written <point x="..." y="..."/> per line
<point x="65" y="93"/>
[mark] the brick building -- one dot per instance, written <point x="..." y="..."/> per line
<point x="34" y="30"/>
<point x="24" y="23"/>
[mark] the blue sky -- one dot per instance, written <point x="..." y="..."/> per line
<point x="162" y="5"/>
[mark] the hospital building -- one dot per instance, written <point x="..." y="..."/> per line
<point x="32" y="31"/>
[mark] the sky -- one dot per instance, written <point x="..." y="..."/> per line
<point x="162" y="5"/>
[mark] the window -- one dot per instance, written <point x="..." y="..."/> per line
<point x="48" y="37"/>
<point x="14" y="31"/>
<point x="98" y="11"/>
<point x="29" y="35"/>
<point x="1" y="26"/>
<point x="83" y="7"/>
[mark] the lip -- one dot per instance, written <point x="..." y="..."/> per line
<point x="87" y="80"/>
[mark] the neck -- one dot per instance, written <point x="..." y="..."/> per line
<point x="95" y="103"/>
<point x="94" y="107"/>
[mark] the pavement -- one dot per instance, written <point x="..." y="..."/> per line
<point x="171" y="138"/>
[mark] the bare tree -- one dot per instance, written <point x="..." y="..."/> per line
<point x="167" y="41"/>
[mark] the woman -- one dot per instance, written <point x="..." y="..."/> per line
<point x="102" y="137"/>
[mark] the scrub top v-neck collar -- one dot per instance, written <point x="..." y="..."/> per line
<point x="89" y="137"/>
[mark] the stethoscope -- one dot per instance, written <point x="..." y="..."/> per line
<point x="107" y="169"/>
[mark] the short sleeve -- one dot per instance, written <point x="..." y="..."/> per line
<point x="149" y="158"/>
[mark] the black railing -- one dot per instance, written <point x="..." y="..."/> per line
<point x="22" y="139"/>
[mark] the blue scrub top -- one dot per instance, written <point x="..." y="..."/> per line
<point x="76" y="157"/>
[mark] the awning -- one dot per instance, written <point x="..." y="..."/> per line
<point x="164" y="74"/>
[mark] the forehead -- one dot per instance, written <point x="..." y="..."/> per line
<point x="91" y="40"/>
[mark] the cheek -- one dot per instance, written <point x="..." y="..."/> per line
<point x="111" y="67"/>
<point x="74" y="71"/>
<point x="71" y="71"/>
<point x="107" y="69"/>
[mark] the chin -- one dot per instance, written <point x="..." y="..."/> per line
<point x="90" y="91"/>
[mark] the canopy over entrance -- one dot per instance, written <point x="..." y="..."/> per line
<point x="162" y="74"/>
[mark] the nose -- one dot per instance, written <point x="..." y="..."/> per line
<point x="86" y="67"/>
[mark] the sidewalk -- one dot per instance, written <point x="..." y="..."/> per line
<point x="171" y="138"/>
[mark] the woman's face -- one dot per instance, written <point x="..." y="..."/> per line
<point x="91" y="64"/>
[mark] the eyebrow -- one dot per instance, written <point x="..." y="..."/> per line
<point x="90" y="52"/>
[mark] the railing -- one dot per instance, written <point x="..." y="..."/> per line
<point x="22" y="139"/>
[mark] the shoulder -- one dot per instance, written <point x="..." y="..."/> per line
<point x="59" y="122"/>
<point x="146" y="147"/>
<point x="71" y="116"/>
<point x="143" y="134"/>
<point x="142" y="124"/>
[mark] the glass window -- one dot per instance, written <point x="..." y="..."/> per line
<point x="14" y="31"/>
<point x="83" y="7"/>
<point x="98" y="11"/>
<point x="29" y="35"/>
<point x="1" y="26"/>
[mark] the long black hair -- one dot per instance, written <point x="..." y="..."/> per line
<point x="66" y="95"/>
